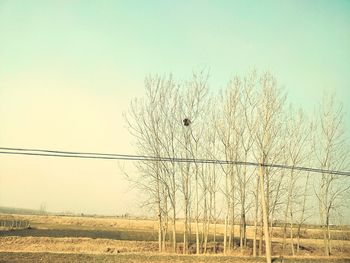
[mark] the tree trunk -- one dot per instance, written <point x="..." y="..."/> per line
<point x="185" y="241"/>
<point x="214" y="212"/>
<point x="159" y="231"/>
<point x="265" y="216"/>
<point x="160" y="223"/>
<point x="302" y="212"/>
<point x="256" y="216"/>
<point x="291" y="234"/>
<point x="261" y="233"/>
<point x="298" y="238"/>
<point x="329" y="237"/>
<point x="174" y="230"/>
<point x="197" y="213"/>
<point x="232" y="227"/>
<point x="205" y="222"/>
<point x="225" y="235"/>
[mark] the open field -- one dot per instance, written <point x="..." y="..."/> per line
<point x="141" y="228"/>
<point x="98" y="239"/>
<point x="147" y="258"/>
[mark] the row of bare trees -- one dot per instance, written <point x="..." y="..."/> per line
<point x="248" y="122"/>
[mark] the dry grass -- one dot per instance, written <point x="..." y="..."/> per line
<point x="93" y="235"/>
<point x="149" y="258"/>
<point x="44" y="221"/>
<point x="96" y="222"/>
<point x="73" y="245"/>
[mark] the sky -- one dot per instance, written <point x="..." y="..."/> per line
<point x="69" y="69"/>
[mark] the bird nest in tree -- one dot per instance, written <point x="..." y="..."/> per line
<point x="186" y="121"/>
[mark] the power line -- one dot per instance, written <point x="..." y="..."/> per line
<point x="70" y="152"/>
<point x="129" y="157"/>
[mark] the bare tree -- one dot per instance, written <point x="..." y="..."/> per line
<point x="193" y="109"/>
<point x="297" y="132"/>
<point x="213" y="178"/>
<point x="331" y="155"/>
<point x="266" y="146"/>
<point x="227" y="133"/>
<point x="146" y="123"/>
<point x="170" y="146"/>
<point x="246" y="121"/>
<point x="248" y="104"/>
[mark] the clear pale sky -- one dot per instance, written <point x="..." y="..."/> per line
<point x="68" y="70"/>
